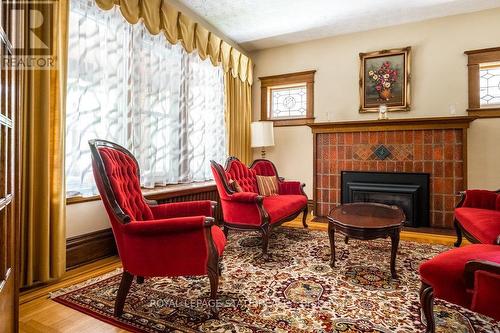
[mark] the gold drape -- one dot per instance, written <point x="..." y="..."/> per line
<point x="42" y="126"/>
<point x="159" y="15"/>
<point x="238" y="109"/>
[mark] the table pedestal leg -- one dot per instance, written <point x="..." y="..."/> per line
<point x="394" y="251"/>
<point x="331" y="235"/>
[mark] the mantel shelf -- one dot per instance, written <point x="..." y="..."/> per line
<point x="393" y="124"/>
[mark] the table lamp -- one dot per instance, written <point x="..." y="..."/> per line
<point x="262" y="135"/>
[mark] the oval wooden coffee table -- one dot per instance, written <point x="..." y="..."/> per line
<point x="366" y="221"/>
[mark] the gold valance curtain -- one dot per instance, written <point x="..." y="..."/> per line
<point x="159" y="15"/>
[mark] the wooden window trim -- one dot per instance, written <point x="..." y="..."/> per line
<point x="475" y="59"/>
<point x="159" y="192"/>
<point x="268" y="82"/>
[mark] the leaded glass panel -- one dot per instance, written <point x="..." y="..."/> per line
<point x="489" y="84"/>
<point x="289" y="102"/>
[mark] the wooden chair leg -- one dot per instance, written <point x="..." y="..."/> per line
<point x="125" y="283"/>
<point x="304" y="217"/>
<point x="226" y="231"/>
<point x="458" y="230"/>
<point x="140" y="279"/>
<point x="221" y="268"/>
<point x="214" y="271"/>
<point x="265" y="240"/>
<point x="427" y="306"/>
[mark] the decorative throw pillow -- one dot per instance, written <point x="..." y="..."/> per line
<point x="233" y="184"/>
<point x="268" y="185"/>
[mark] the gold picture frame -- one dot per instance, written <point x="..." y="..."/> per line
<point x="384" y="78"/>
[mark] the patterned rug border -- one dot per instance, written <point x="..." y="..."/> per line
<point x="88" y="282"/>
<point x="109" y="320"/>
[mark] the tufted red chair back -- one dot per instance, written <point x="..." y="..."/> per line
<point x="117" y="178"/>
<point x="123" y="174"/>
<point x="245" y="177"/>
<point x="264" y="168"/>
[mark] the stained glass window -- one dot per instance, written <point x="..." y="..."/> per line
<point x="289" y="102"/>
<point x="489" y="84"/>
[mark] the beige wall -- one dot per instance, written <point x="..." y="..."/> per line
<point x="439" y="82"/>
<point x="85" y="217"/>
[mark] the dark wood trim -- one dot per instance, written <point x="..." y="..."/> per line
<point x="292" y="122"/>
<point x="486" y="112"/>
<point x="393" y="124"/>
<point x="483" y="55"/>
<point x="82" y="199"/>
<point x="288" y="78"/>
<point x="475" y="61"/>
<point x="172" y="191"/>
<point x="267" y="83"/>
<point x="84" y="249"/>
<point x="159" y="192"/>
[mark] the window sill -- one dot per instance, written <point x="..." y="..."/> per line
<point x="485" y="112"/>
<point x="292" y="121"/>
<point x="159" y="192"/>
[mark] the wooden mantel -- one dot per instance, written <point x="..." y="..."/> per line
<point x="392" y="124"/>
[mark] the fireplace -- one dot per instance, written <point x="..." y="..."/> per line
<point x="410" y="191"/>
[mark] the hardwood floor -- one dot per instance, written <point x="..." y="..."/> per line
<point x="39" y="314"/>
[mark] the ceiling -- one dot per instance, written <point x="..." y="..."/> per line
<point x="259" y="24"/>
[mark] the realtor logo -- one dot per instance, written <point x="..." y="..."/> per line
<point x="29" y="33"/>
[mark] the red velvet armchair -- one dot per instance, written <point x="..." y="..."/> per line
<point x="247" y="210"/>
<point x="468" y="276"/>
<point x="477" y="217"/>
<point x="174" y="239"/>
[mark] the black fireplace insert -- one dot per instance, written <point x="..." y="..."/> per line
<point x="410" y="191"/>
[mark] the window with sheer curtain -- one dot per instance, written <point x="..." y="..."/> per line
<point x="135" y="89"/>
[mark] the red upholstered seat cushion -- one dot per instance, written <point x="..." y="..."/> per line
<point x="219" y="239"/>
<point x="281" y="206"/>
<point x="482" y="224"/>
<point x="445" y="272"/>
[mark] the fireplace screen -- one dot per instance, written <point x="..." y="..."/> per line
<point x="409" y="191"/>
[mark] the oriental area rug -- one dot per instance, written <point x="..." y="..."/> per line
<point x="294" y="291"/>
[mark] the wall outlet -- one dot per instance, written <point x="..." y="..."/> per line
<point x="453" y="109"/>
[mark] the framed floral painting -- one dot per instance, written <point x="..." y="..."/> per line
<point x="385" y="79"/>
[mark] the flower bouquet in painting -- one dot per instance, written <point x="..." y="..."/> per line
<point x="385" y="79"/>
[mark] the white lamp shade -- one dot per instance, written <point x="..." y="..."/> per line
<point x="262" y="134"/>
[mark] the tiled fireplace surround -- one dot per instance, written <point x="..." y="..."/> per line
<point x="435" y="148"/>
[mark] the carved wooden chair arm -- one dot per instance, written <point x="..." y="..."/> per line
<point x="479" y="265"/>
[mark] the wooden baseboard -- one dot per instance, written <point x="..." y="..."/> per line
<point x="84" y="249"/>
<point x="310" y="205"/>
